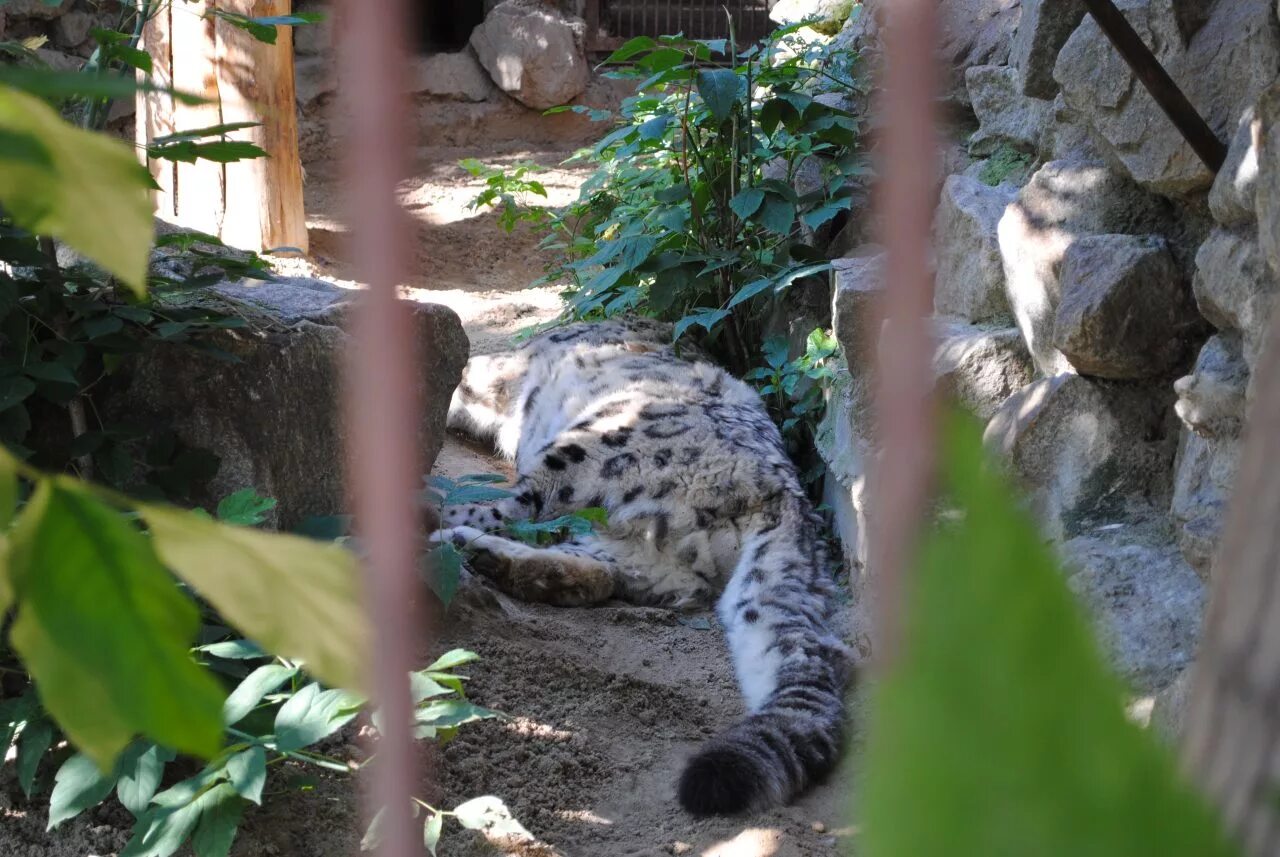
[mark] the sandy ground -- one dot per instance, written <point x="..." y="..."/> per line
<point x="606" y="703"/>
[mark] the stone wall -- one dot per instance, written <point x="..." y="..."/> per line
<point x="1102" y="297"/>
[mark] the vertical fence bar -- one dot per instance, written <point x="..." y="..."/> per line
<point x="381" y="390"/>
<point x="904" y="401"/>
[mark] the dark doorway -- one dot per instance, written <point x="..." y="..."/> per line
<point x="445" y="26"/>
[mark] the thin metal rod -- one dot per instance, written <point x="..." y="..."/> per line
<point x="1181" y="112"/>
<point x="904" y="402"/>
<point x="383" y="412"/>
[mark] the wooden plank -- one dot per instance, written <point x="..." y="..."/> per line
<point x="199" y="188"/>
<point x="256" y="84"/>
<point x="155" y="109"/>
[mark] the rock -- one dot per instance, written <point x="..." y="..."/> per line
<point x="1204" y="476"/>
<point x="1088" y="451"/>
<point x="1125" y="310"/>
<point x="273" y="418"/>
<point x="1267" y="187"/>
<point x="842" y="442"/>
<point x="1234" y="288"/>
<point x="788" y="12"/>
<point x="1066" y="136"/>
<point x="1044" y="29"/>
<point x="858" y="282"/>
<point x="58" y="61"/>
<point x="72" y="29"/>
<point x="533" y="54"/>
<point x="1004" y="114"/>
<point x="1169" y="710"/>
<point x="40" y="9"/>
<point x="808" y="176"/>
<point x="315" y="39"/>
<point x="1243" y="36"/>
<point x="457" y="75"/>
<point x="313" y="77"/>
<point x="979" y="367"/>
<point x="970" y="281"/>
<point x="975" y="32"/>
<point x="1232" y="199"/>
<point x="1211" y="400"/>
<point x="1147" y="603"/>
<point x="1062" y="203"/>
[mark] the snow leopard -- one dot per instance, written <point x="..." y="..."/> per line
<point x="703" y="503"/>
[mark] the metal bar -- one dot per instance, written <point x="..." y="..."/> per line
<point x="1181" y="112"/>
<point x="592" y="12"/>
<point x="905" y="411"/>
<point x="381" y="392"/>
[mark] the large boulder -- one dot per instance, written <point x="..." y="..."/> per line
<point x="1148" y="604"/>
<point x="1088" y="452"/>
<point x="1061" y="204"/>
<point x="975" y="32"/>
<point x="1267" y="187"/>
<point x="857" y="282"/>
<point x="1126" y="309"/>
<point x="970" y="281"/>
<point x="457" y="75"/>
<point x="1005" y="116"/>
<point x="1044" y="29"/>
<point x="533" y="54"/>
<point x="978" y="367"/>
<point x="273" y="416"/>
<point x="1211" y="405"/>
<point x="1242" y="36"/>
<point x="1235" y="288"/>
<point x="786" y="12"/>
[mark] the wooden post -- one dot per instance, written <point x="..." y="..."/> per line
<point x="254" y="204"/>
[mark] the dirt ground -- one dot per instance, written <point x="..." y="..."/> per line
<point x="605" y="704"/>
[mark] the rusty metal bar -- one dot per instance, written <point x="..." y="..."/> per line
<point x="383" y="411"/>
<point x="905" y="412"/>
<point x="1181" y="112"/>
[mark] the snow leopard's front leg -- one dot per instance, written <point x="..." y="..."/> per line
<point x="571" y="574"/>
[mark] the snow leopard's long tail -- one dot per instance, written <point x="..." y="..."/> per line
<point x="793" y="669"/>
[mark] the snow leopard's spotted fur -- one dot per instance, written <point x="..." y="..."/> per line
<point x="702" y="501"/>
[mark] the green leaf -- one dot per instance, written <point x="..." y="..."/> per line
<point x="818" y="216"/>
<point x="245" y="508"/>
<point x="775" y="351"/>
<point x="1021" y="745"/>
<point x="223" y="152"/>
<point x="140" y="771"/>
<point x="220" y="811"/>
<point x="490" y="815"/>
<point x="719" y="90"/>
<point x="674" y="193"/>
<point x="654" y="128"/>
<point x="50" y="371"/>
<point x="630" y="49"/>
<point x="9" y="491"/>
<point x="93" y="196"/>
<point x="77" y="786"/>
<point x="778" y="215"/>
<point x="57" y="85"/>
<point x="163" y="828"/>
<point x="747" y="202"/>
<point x="749" y="291"/>
<point x="312" y="714"/>
<point x="233" y="650"/>
<point x="252" y="689"/>
<point x="431" y="829"/>
<point x="200" y="133"/>
<point x="14" y="391"/>
<point x="247" y="773"/>
<point x="453" y="659"/>
<point x="706" y="317"/>
<point x="95" y="599"/>
<point x="444" y="713"/>
<point x="445" y="564"/>
<point x="294" y="596"/>
<point x="102" y="325"/>
<point x="33" y="743"/>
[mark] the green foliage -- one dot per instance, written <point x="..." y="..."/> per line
<point x="1006" y="161"/>
<point x="509" y="191"/>
<point x="265" y="27"/>
<point x="999" y="720"/>
<point x="578" y="523"/>
<point x="691" y="214"/>
<point x="795" y="389"/>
